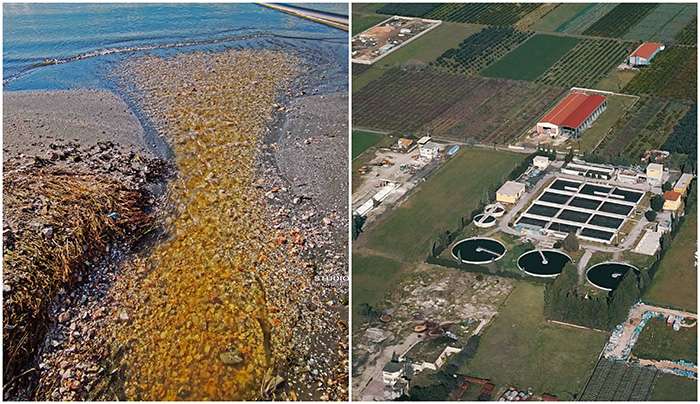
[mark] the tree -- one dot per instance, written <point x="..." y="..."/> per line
<point x="569" y="155"/>
<point x="657" y="202"/>
<point x="666" y="186"/>
<point x="570" y="243"/>
<point x="357" y="223"/>
<point x="650" y="215"/>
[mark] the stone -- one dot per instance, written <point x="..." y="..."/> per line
<point x="231" y="358"/>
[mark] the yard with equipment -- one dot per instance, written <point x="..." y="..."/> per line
<point x="454" y="190"/>
<point x="521" y="348"/>
<point x="532" y="58"/>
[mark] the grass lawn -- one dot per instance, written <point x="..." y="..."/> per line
<point x="591" y="138"/>
<point x="361" y="22"/>
<point x="532" y="58"/>
<point x="520" y="348"/>
<point x="560" y="15"/>
<point x="675" y="282"/>
<point x="660" y="342"/>
<point x="674" y="388"/>
<point x="616" y="80"/>
<point x="362" y="141"/>
<point x="372" y="276"/>
<point x="453" y="191"/>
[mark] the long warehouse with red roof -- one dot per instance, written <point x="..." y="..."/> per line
<point x="572" y="115"/>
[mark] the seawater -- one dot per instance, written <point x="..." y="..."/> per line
<point x="65" y="46"/>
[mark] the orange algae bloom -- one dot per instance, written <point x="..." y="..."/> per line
<point x="201" y="327"/>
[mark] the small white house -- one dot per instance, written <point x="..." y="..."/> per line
<point x="655" y="173"/>
<point x="430" y="150"/>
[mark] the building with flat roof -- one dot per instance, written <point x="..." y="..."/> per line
<point x="672" y="201"/>
<point x="644" y="53"/>
<point x="541" y="162"/>
<point x="510" y="192"/>
<point x="584" y="169"/>
<point x="404" y="143"/>
<point x="572" y="115"/>
<point x="683" y="183"/>
<point x="649" y="243"/>
<point x="430" y="150"/>
<point x="655" y="173"/>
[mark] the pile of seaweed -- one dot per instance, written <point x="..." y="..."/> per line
<point x="61" y="215"/>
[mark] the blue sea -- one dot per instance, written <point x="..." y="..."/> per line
<point x="65" y="46"/>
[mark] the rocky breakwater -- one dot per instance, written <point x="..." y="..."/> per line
<point x="213" y="313"/>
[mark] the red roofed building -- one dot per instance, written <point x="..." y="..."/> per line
<point x="572" y="115"/>
<point x="644" y="53"/>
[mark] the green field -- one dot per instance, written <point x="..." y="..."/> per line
<point x="594" y="135"/>
<point x="663" y="23"/>
<point x="532" y="58"/>
<point x="372" y="276"/>
<point x="672" y="73"/>
<point x="361" y="22"/>
<point x="559" y="16"/>
<point x="674" y="388"/>
<point x="362" y="141"/>
<point x="585" y="17"/>
<point x="453" y="191"/>
<point x="521" y="348"/>
<point x="675" y="282"/>
<point x="658" y="341"/>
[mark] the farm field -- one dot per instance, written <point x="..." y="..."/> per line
<point x="584" y="18"/>
<point x="521" y="348"/>
<point x="362" y="141"/>
<point x="672" y="74"/>
<point x="663" y="23"/>
<point x="437" y="204"/>
<point x="364" y="74"/>
<point x="674" y="388"/>
<point x="587" y="63"/>
<point x="559" y="16"/>
<point x="430" y="46"/>
<point x="615" y="80"/>
<point x="620" y="381"/>
<point x="372" y="276"/>
<point x="674" y="284"/>
<point x="689" y="34"/>
<point x="480" y="50"/>
<point x="617" y="21"/>
<point x="533" y="17"/>
<point x="532" y="58"/>
<point x="482" y="13"/>
<point x="593" y="136"/>
<point x="647" y="126"/>
<point x="658" y="341"/>
<point x="467" y="109"/>
<point x="361" y="22"/>
<point x="407" y="9"/>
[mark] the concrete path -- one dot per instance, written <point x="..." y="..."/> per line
<point x="582" y="264"/>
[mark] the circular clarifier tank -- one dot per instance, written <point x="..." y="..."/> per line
<point x="478" y="250"/>
<point x="608" y="275"/>
<point x="543" y="263"/>
<point x="483" y="221"/>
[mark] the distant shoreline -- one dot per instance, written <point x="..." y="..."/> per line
<point x="331" y="19"/>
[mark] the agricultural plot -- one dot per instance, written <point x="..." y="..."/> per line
<point x="558" y="16"/>
<point x="361" y="22"/>
<point x="619" y="381"/>
<point x="495" y="111"/>
<point x="585" y="17"/>
<point x="663" y="23"/>
<point x="616" y="23"/>
<point x="593" y="136"/>
<point x="532" y="58"/>
<point x="587" y="63"/>
<point x="407" y="9"/>
<point x="647" y="127"/>
<point x="362" y="141"/>
<point x="521" y="348"/>
<point x="689" y="34"/>
<point x="673" y="73"/>
<point x="674" y="388"/>
<point x="482" y="13"/>
<point x="480" y="50"/>
<point x="372" y="276"/>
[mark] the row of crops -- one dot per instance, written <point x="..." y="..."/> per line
<point x="482" y="13"/>
<point x="451" y="106"/>
<point x="587" y="63"/>
<point x="480" y="50"/>
<point x="689" y="34"/>
<point x="684" y="137"/>
<point x="619" y="381"/>
<point x="673" y="73"/>
<point x="616" y="23"/>
<point x="407" y="9"/>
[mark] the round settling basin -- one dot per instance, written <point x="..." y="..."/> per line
<point x="608" y="275"/>
<point x="482" y="220"/>
<point x="478" y="250"/>
<point x="543" y="263"/>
